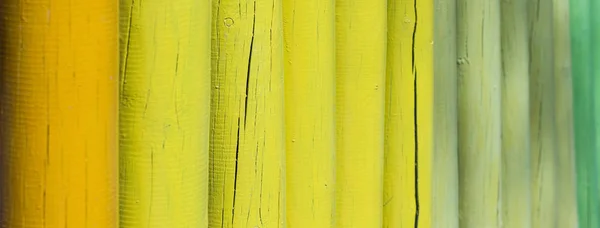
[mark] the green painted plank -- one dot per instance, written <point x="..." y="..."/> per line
<point x="516" y="169"/>
<point x="566" y="190"/>
<point x="445" y="159"/>
<point x="583" y="107"/>
<point x="543" y="131"/>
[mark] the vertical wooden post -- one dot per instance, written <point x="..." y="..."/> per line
<point x="310" y="112"/>
<point x="583" y="113"/>
<point x="542" y="111"/>
<point x="445" y="155"/>
<point x="58" y="118"/>
<point x="479" y="114"/>
<point x="516" y="166"/>
<point x="360" y="65"/>
<point x="247" y="135"/>
<point x="566" y="192"/>
<point x="409" y="114"/>
<point x="164" y="113"/>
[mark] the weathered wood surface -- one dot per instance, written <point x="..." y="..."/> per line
<point x="516" y="167"/>
<point x="409" y="114"/>
<point x="247" y="163"/>
<point x="309" y="112"/>
<point x="479" y="113"/>
<point x="444" y="196"/>
<point x="361" y="29"/>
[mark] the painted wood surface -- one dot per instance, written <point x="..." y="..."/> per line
<point x="516" y="167"/>
<point x="58" y="113"/>
<point x="542" y="110"/>
<point x="309" y="112"/>
<point x="583" y="113"/>
<point x="408" y="114"/>
<point x="247" y="148"/>
<point x="566" y="193"/>
<point x="479" y="119"/>
<point x="444" y="196"/>
<point x="360" y="65"/>
<point x="164" y="113"/>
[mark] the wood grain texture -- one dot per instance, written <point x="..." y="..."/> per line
<point x="247" y="163"/>
<point x="542" y="113"/>
<point x="566" y="191"/>
<point x="408" y="114"/>
<point x="583" y="113"/>
<point x="164" y="113"/>
<point x="360" y="68"/>
<point x="444" y="209"/>
<point x="58" y="113"/>
<point x="479" y="114"/>
<point x="516" y="155"/>
<point x="310" y="112"/>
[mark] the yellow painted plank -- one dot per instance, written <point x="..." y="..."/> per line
<point x="309" y="111"/>
<point x="566" y="191"/>
<point x="409" y="114"/>
<point x="479" y="113"/>
<point x="59" y="113"/>
<point x="164" y="113"/>
<point x="360" y="68"/>
<point x="444" y="195"/>
<point x="516" y="153"/>
<point x="247" y="149"/>
<point x="543" y="131"/>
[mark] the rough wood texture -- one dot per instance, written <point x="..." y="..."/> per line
<point x="583" y="113"/>
<point x="164" y="113"/>
<point x="310" y="112"/>
<point x="516" y="167"/>
<point x="542" y="110"/>
<point x="58" y="113"/>
<point x="247" y="163"/>
<point x="408" y="114"/>
<point x="566" y="195"/>
<point x="479" y="119"/>
<point x="360" y="65"/>
<point x="444" y="209"/>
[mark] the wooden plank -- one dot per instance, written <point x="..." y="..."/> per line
<point x="360" y="67"/>
<point x="309" y="111"/>
<point x="566" y="191"/>
<point x="409" y="114"/>
<point x="164" y="113"/>
<point x="542" y="111"/>
<point x="445" y="158"/>
<point x="479" y="114"/>
<point x="583" y="113"/>
<point x="247" y="172"/>
<point x="516" y="167"/>
<point x="59" y="62"/>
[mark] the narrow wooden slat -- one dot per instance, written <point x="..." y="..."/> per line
<point x="360" y="68"/>
<point x="516" y="167"/>
<point x="565" y="165"/>
<point x="58" y="113"/>
<point x="542" y="111"/>
<point x="309" y="112"/>
<point x="583" y="113"/>
<point x="445" y="156"/>
<point x="479" y="114"/>
<point x="164" y="113"/>
<point x="409" y="114"/>
<point x="247" y="115"/>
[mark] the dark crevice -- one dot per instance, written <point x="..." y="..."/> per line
<point x="249" y="65"/>
<point x="235" y="175"/>
<point x="415" y="114"/>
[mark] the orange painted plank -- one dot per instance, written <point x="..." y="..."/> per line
<point x="58" y="112"/>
